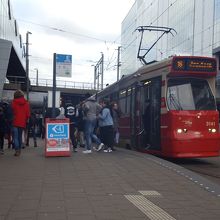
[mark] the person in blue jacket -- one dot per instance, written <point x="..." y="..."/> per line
<point x="106" y="126"/>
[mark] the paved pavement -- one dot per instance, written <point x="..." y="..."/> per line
<point x="123" y="185"/>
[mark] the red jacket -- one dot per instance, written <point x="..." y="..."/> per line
<point x="21" y="112"/>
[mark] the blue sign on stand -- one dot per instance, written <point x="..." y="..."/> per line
<point x="58" y="131"/>
<point x="57" y="137"/>
<point x="63" y="65"/>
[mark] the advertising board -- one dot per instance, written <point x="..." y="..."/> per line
<point x="57" y="137"/>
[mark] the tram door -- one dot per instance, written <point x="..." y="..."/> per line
<point x="150" y="95"/>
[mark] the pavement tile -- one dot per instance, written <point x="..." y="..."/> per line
<point x="52" y="195"/>
<point x="51" y="208"/>
<point x="83" y="210"/>
<point x="92" y="187"/>
<point x="51" y="216"/>
<point x="4" y="208"/>
<point x="72" y="216"/>
<point x="75" y="203"/>
<point x="28" y="214"/>
<point x="23" y="205"/>
<point x="68" y="195"/>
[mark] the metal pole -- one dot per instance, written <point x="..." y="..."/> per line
<point x="98" y="77"/>
<point x="27" y="63"/>
<point x="36" y="76"/>
<point x="102" y="70"/>
<point x="54" y="86"/>
<point x="94" y="77"/>
<point x="118" y="63"/>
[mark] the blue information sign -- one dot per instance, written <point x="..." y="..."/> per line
<point x="62" y="58"/>
<point x="57" y="131"/>
<point x="63" y="65"/>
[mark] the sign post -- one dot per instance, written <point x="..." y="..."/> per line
<point x="57" y="137"/>
<point x="54" y="86"/>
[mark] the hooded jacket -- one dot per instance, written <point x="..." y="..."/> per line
<point x="91" y="109"/>
<point x="21" y="112"/>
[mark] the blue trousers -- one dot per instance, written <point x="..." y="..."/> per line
<point x="17" y="137"/>
<point x="89" y="133"/>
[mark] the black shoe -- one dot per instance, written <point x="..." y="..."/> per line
<point x="17" y="153"/>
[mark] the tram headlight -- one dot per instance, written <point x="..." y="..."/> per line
<point x="179" y="130"/>
<point x="212" y="130"/>
<point x="184" y="130"/>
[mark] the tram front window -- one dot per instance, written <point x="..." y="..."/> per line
<point x="189" y="94"/>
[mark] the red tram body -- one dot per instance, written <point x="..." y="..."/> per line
<point x="168" y="108"/>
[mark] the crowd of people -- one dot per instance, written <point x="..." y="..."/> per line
<point x="14" y="119"/>
<point x="90" y="122"/>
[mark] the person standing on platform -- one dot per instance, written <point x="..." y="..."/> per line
<point x="81" y="125"/>
<point x="106" y="127"/>
<point x="116" y="114"/>
<point x="8" y="121"/>
<point x="2" y="129"/>
<point x="21" y="113"/>
<point x="72" y="113"/>
<point x="31" y="129"/>
<point x="91" y="110"/>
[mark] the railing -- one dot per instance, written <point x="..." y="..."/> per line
<point x="59" y="83"/>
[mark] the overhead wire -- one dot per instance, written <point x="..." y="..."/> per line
<point x="64" y="31"/>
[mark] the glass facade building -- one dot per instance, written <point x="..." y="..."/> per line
<point x="217" y="25"/>
<point x="11" y="48"/>
<point x="196" y="22"/>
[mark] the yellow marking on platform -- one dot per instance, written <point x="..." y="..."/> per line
<point x="151" y="210"/>
<point x="149" y="193"/>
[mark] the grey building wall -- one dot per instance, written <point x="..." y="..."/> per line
<point x="11" y="61"/>
<point x="195" y="21"/>
<point x="5" y="49"/>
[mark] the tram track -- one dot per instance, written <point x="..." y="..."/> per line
<point x="207" y="167"/>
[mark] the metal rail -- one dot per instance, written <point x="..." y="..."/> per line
<point x="59" y="83"/>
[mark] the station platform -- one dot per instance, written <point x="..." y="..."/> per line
<point x="122" y="185"/>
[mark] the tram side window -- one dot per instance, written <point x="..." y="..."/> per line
<point x="128" y="101"/>
<point x="122" y="101"/>
<point x="114" y="96"/>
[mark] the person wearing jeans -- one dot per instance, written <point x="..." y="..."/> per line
<point x="17" y="139"/>
<point x="21" y="114"/>
<point x="90" y="125"/>
<point x="106" y="126"/>
<point x="91" y="109"/>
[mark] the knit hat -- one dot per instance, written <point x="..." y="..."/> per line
<point x="18" y="93"/>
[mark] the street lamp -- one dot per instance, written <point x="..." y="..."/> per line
<point x="36" y="76"/>
<point x="27" y="63"/>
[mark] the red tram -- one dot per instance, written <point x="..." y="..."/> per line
<point x="168" y="108"/>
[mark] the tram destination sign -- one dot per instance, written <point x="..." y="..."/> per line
<point x="194" y="64"/>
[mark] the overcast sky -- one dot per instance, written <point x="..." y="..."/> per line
<point x="82" y="28"/>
